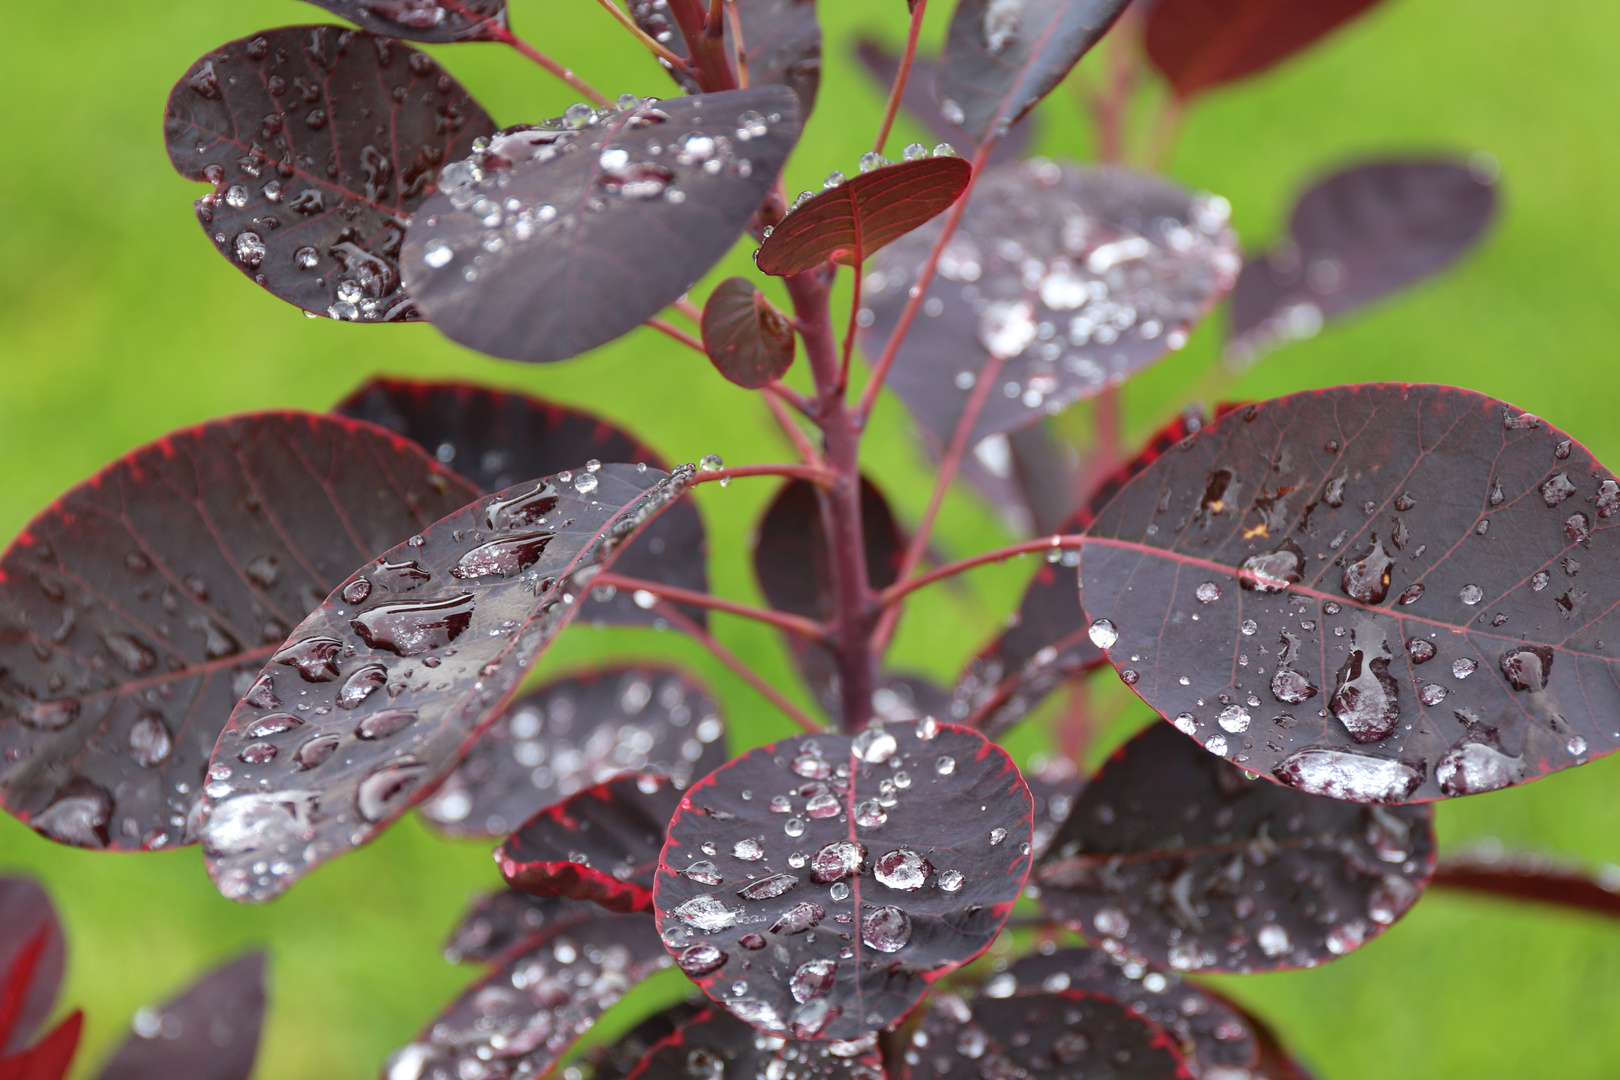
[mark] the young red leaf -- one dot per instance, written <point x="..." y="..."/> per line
<point x="496" y="438"/>
<point x="921" y="100"/>
<point x="1355" y="237"/>
<point x="209" y="1032"/>
<point x="48" y="1059"/>
<point x="27" y="924"/>
<point x="425" y="20"/>
<point x="558" y="238"/>
<point x="137" y="609"/>
<point x="498" y="923"/>
<point x="715" y="1044"/>
<point x="576" y="732"/>
<point x="749" y="341"/>
<point x="1001" y="59"/>
<point x="1179" y="858"/>
<point x="1112" y="271"/>
<point x="600" y="845"/>
<point x="902" y="848"/>
<point x="1198" y="44"/>
<point x="1400" y="592"/>
<point x="781" y="38"/>
<point x="1523" y="876"/>
<point x="312" y="192"/>
<point x="384" y="688"/>
<point x="852" y="221"/>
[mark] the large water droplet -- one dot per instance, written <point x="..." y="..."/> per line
<point x="813" y="979"/>
<point x="315" y="750"/>
<point x="886" y="929"/>
<point x="840" y="859"/>
<point x="768" y="888"/>
<point x="1103" y="633"/>
<point x="902" y="869"/>
<point x="1526" y="666"/>
<point x="1290" y="687"/>
<point x="388" y="789"/>
<point x="798" y="918"/>
<point x="150" y="741"/>
<point x="704" y="872"/>
<point x="380" y="725"/>
<point x="707" y="913"/>
<point x="1367" y="700"/>
<point x="78" y="815"/>
<point x="259" y="821"/>
<point x="1366" y="576"/>
<point x="361" y="684"/>
<point x="748" y="849"/>
<point x="875" y="745"/>
<point x="411" y="627"/>
<point x="503" y="557"/>
<point x="527" y="508"/>
<point x="951" y="880"/>
<point x="1272" y="571"/>
<point x="700" y="959"/>
<point x="315" y="658"/>
<point x="1344" y="774"/>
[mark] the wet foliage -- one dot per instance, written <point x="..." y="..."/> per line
<point x="208" y="1032"/>
<point x="425" y="20"/>
<point x="921" y="100"/>
<point x="781" y="44"/>
<point x="1534" y="877"/>
<point x="750" y="342"/>
<point x="715" y="1044"/>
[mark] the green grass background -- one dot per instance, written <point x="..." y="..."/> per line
<point x="118" y="323"/>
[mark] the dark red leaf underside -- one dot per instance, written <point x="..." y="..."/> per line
<point x="209" y="1032"/>
<point x="854" y="220"/>
<point x="562" y="237"/>
<point x="425" y="20"/>
<point x="1434" y="586"/>
<point x="1178" y="858"/>
<point x="921" y="99"/>
<point x="51" y="1057"/>
<point x="1523" y="876"/>
<point x="816" y="887"/>
<point x="600" y="845"/>
<point x="1359" y="235"/>
<point x="618" y="1059"/>
<point x="25" y="914"/>
<point x="386" y="686"/>
<point x="137" y="609"/>
<point x="499" y="922"/>
<point x="1198" y="44"/>
<point x="570" y="734"/>
<point x="1080" y="278"/>
<point x="717" y="1046"/>
<point x="781" y="37"/>
<point x="749" y="341"/>
<point x="496" y="438"/>
<point x="321" y="143"/>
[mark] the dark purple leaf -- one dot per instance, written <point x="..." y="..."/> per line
<point x="383" y="690"/>
<point x="1401" y="592"/>
<point x="1180" y="859"/>
<point x="714" y="1044"/>
<point x="496" y="438"/>
<point x="562" y="738"/>
<point x="853" y="220"/>
<point x="921" y="100"/>
<point x="210" y="1032"/>
<point x="51" y="1057"/>
<point x="1198" y="44"/>
<point x="425" y="20"/>
<point x="1072" y="1035"/>
<point x="499" y="922"/>
<point x="137" y="609"/>
<point x="559" y="238"/>
<point x="1524" y="876"/>
<point x="1054" y="784"/>
<point x="881" y="862"/>
<point x="1359" y="235"/>
<point x="600" y="845"/>
<point x="1079" y="277"/>
<point x="321" y="143"/>
<point x="1002" y="58"/>
<point x="1276" y="1062"/>
<point x="749" y="341"/>
<point x="25" y="913"/>
<point x="617" y="1060"/>
<point x="781" y="37"/>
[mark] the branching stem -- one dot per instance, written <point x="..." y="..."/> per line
<point x="674" y="616"/>
<point x="793" y="624"/>
<point x="901" y="589"/>
<point x="502" y="34"/>
<point x="679" y="335"/>
<point x="790" y="428"/>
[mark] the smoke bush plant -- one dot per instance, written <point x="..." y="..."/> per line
<point x="275" y="634"/>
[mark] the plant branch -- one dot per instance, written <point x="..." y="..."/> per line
<point x="739" y="46"/>
<point x="678" y="334"/>
<point x="898" y="90"/>
<point x="709" y="64"/>
<point x="790" y="428"/>
<point x="713" y="26"/>
<point x="793" y="624"/>
<point x="502" y="34"/>
<point x="689" y="309"/>
<point x="849" y="335"/>
<point x="1110" y="104"/>
<point x="901" y="589"/>
<point x="817" y="475"/>
<point x="1166" y="132"/>
<point x="786" y="394"/>
<point x="674" y="616"/>
<point x="646" y="39"/>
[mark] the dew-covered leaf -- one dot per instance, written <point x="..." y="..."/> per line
<point x="51" y="1057"/>
<point x="385" y="687"/>
<point x="1003" y="56"/>
<point x="321" y="143"/>
<point x="558" y="238"/>
<point x="1386" y="593"/>
<point x="1198" y="44"/>
<point x="496" y="438"/>
<point x="26" y="914"/>
<point x="1177" y="857"/>
<point x="714" y="1045"/>
<point x="573" y="733"/>
<point x="1528" y="876"/>
<point x="781" y="38"/>
<point x="138" y="608"/>
<point x="425" y="20"/>
<point x="209" y="1032"/>
<point x="1080" y="277"/>
<point x="851" y="221"/>
<point x="497" y="923"/>
<point x="618" y="1059"/>
<point x="600" y="845"/>
<point x="749" y="341"/>
<point x="921" y="100"/>
<point x="1276" y="1061"/>
<point x="1359" y="235"/>
<point x="815" y="887"/>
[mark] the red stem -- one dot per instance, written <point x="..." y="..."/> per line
<point x="898" y="90"/>
<point x="672" y="615"/>
<point x="793" y="624"/>
<point x="711" y="67"/>
<point x="790" y="428"/>
<point x="849" y="335"/>
<point x="502" y="34"/>
<point x="678" y="334"/>
<point x="901" y="589"/>
<point x="821" y="477"/>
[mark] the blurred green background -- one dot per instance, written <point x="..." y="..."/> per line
<point x="118" y="323"/>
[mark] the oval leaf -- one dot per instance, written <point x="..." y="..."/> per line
<point x="716" y="1044"/>
<point x="749" y="341"/>
<point x="384" y="688"/>
<point x="312" y="191"/>
<point x="852" y="221"/>
<point x="1402" y="589"/>
<point x="498" y="923"/>
<point x="1179" y="858"/>
<point x="559" y="238"/>
<point x="496" y="438"/>
<point x="781" y="38"/>
<point x="209" y="1032"/>
<point x="25" y="915"/>
<point x="1001" y="59"/>
<point x="138" y="608"/>
<point x="1198" y="44"/>
<point x="1127" y="265"/>
<point x="576" y="732"/>
<point x="904" y="848"/>
<point x="426" y="20"/>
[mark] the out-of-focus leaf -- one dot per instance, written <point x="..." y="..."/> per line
<point x="25" y="914"/>
<point x="921" y="100"/>
<point x="1526" y="876"/>
<point x="209" y="1032"/>
<point x="51" y="1057"/>
<point x="781" y="38"/>
<point x="498" y="923"/>
<point x="1198" y="44"/>
<point x="749" y="341"/>
<point x="425" y="20"/>
<point x="617" y="1060"/>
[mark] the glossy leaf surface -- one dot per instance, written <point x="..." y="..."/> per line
<point x="781" y="38"/>
<point x="1198" y="44"/>
<point x="854" y="220"/>
<point x="498" y="923"/>
<point x="881" y="862"/>
<point x="1523" y="876"/>
<point x="717" y="1045"/>
<point x="921" y="100"/>
<point x="425" y="20"/>
<point x="496" y="438"/>
<point x="600" y="845"/>
<point x="1359" y="235"/>
<point x="321" y="143"/>
<point x="1002" y="58"/>
<point x="384" y="688"/>
<point x="559" y="238"/>
<point x="209" y="1032"/>
<point x="1386" y="593"/>
<point x="25" y="914"/>
<point x="749" y="341"/>
<point x="1176" y="857"/>
<point x="137" y="609"/>
<point x="1078" y="277"/>
<point x="573" y="733"/>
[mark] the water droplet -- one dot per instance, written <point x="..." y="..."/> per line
<point x="1366" y="576"/>
<point x="381" y="725"/>
<point x="316" y="750"/>
<point x="1208" y="593"/>
<point x="707" y="913"/>
<point x="1461" y="669"/>
<point x="1103" y="633"/>
<point x="1471" y="594"/>
<point x="258" y="821"/>
<point x="78" y="815"/>
<point x="1420" y="651"/>
<point x="388" y="788"/>
<point x="902" y="869"/>
<point x="505" y="556"/>
<point x="837" y="860"/>
<point x="257" y="753"/>
<point x="886" y="929"/>
<point x="1344" y="774"/>
<point x="700" y="959"/>
<point x="1367" y="700"/>
<point x="1526" y="666"/>
<point x="870" y="814"/>
<point x="1249" y="628"/>
<point x="793" y="826"/>
<point x="813" y="979"/>
<point x="250" y="249"/>
<point x="1234" y="719"/>
<point x="411" y="627"/>
<point x="768" y="888"/>
<point x="997" y="836"/>
<point x="1556" y="489"/>
<point x="1432" y="693"/>
<point x="1272" y="571"/>
<point x="799" y="918"/>
<point x="1290" y="687"/>
<point x="1473" y="767"/>
<point x="150" y="741"/>
<point x="748" y="849"/>
<point x="875" y="745"/>
<point x="1576" y="746"/>
<point x="872" y="160"/>
<point x="315" y="658"/>
<point x="356" y="591"/>
<point x="361" y="684"/>
<point x="1412" y="593"/>
<point x="704" y="873"/>
<point x="823" y="805"/>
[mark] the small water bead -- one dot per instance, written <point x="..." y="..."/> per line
<point x="951" y="881"/>
<point x="837" y="860"/>
<point x="700" y="959"/>
<point x="1249" y="627"/>
<point x="1186" y="723"/>
<point x="1273" y="940"/>
<point x="1233" y="718"/>
<point x="870" y="814"/>
<point x="794" y="826"/>
<point x="1129" y="676"/>
<point x="768" y="888"/>
<point x="1576" y="745"/>
<point x="1432" y="693"/>
<point x="1461" y="669"/>
<point x="834" y="179"/>
<point x="839" y="891"/>
<point x="997" y="836"/>
<point x="1420" y="650"/>
<point x="875" y="745"/>
<point x="872" y="160"/>
<point x="704" y="873"/>
<point x="944" y="149"/>
<point x="1207" y="593"/>
<point x="824" y="805"/>
<point x="927" y="730"/>
<point x="708" y="913"/>
<point x="1471" y="594"/>
<point x="886" y="929"/>
<point x="812" y="980"/>
<point x="1540" y="580"/>
<point x="1103" y="633"/>
<point x="945" y="766"/>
